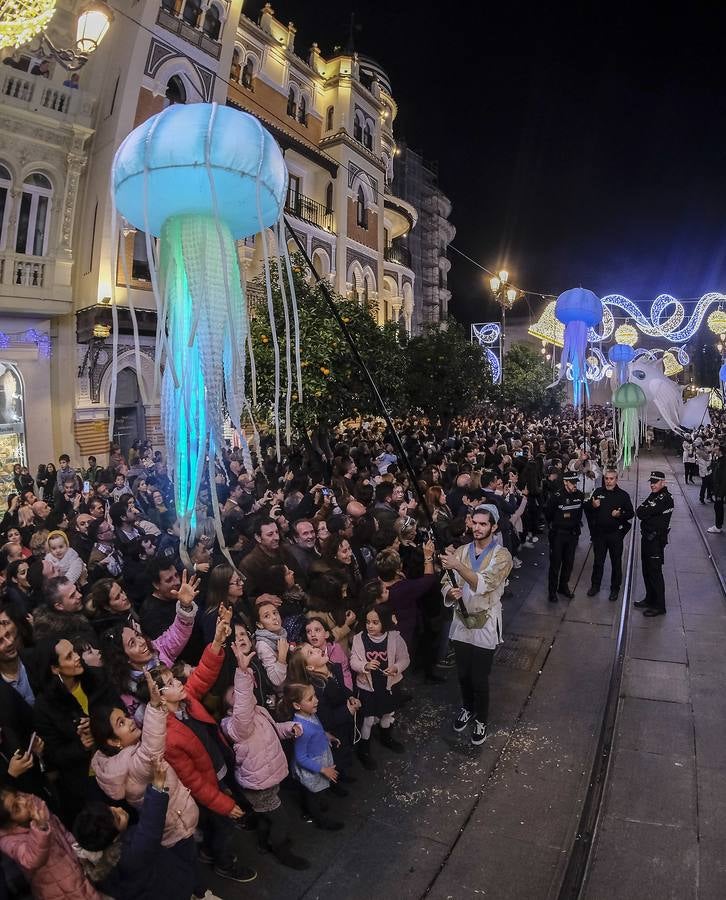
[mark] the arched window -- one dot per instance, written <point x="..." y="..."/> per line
<point x="368" y="136"/>
<point x="329" y="197"/>
<point x="291" y="103"/>
<point x="329" y="118"/>
<point x="361" y="211"/>
<point x="357" y="129"/>
<point x="302" y="112"/>
<point x="192" y="11"/>
<point x="235" y="69"/>
<point x="212" y="23"/>
<point x="247" y="73"/>
<point x="366" y="296"/>
<point x="175" y="90"/>
<point x="356" y="287"/>
<point x="6" y="183"/>
<point x="34" y="216"/>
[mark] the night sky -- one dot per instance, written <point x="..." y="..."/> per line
<point x="578" y="145"/>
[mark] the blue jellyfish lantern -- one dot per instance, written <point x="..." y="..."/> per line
<point x="621" y="355"/>
<point x="578" y="310"/>
<point x="200" y="177"/>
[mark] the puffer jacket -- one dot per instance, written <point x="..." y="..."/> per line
<point x="125" y="776"/>
<point x="184" y="752"/>
<point x="260" y="762"/>
<point x="48" y="861"/>
<point x="397" y="656"/>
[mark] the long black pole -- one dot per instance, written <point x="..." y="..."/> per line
<point x="335" y="312"/>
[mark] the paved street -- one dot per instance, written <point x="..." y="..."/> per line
<point x="461" y="823"/>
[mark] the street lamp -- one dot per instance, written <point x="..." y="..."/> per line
<point x="505" y="295"/>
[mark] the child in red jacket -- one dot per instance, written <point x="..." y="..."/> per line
<point x="194" y="750"/>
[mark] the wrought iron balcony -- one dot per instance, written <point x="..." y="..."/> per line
<point x="397" y="253"/>
<point x="308" y="210"/>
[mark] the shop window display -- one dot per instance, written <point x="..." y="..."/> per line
<point x="12" y="427"/>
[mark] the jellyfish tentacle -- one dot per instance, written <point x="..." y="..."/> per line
<point x="288" y="349"/>
<point x="295" y="317"/>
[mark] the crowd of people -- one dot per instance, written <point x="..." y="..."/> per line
<point x="151" y="708"/>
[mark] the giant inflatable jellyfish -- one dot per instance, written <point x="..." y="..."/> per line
<point x="629" y="401"/>
<point x="665" y="407"/>
<point x="579" y="310"/>
<point x="200" y="177"/>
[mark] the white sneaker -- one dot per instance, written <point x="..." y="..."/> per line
<point x="714" y="530"/>
<point x="479" y="733"/>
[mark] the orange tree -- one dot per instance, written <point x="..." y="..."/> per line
<point x="333" y="387"/>
<point x="447" y="375"/>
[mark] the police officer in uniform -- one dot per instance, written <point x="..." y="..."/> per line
<point x="655" y="519"/>
<point x="564" y="515"/>
<point x="609" y="511"/>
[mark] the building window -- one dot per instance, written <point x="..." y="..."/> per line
<point x="368" y="136"/>
<point x="6" y="183"/>
<point x="329" y="118"/>
<point x="175" y="91"/>
<point x="235" y="69"/>
<point x="293" y="192"/>
<point x="140" y="261"/>
<point x="357" y="129"/>
<point x="292" y="104"/>
<point x="169" y="6"/>
<point x="34" y="216"/>
<point x="212" y="23"/>
<point x="302" y="113"/>
<point x="329" y="197"/>
<point x="361" y="210"/>
<point x="192" y="11"/>
<point x="366" y="296"/>
<point x="247" y="73"/>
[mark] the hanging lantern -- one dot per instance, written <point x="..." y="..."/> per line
<point x="578" y="310"/>
<point x="201" y="177"/>
<point x="629" y="400"/>
<point x="626" y="334"/>
<point x="621" y="355"/>
<point x="716" y="321"/>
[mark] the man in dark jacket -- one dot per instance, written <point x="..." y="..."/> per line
<point x="655" y="521"/>
<point x="609" y="511"/>
<point x="145" y="870"/>
<point x="718" y="486"/>
<point x="564" y="515"/>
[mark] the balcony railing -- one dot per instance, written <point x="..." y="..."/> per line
<point x="309" y="211"/>
<point x="189" y="33"/>
<point x="39" y="94"/>
<point x="396" y="253"/>
<point x="20" y="271"/>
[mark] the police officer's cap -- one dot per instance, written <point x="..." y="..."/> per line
<point x="657" y="475"/>
<point x="570" y="476"/>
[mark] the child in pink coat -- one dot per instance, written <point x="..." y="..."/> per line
<point x="38" y="842"/>
<point x="260" y="763"/>
<point x="319" y="635"/>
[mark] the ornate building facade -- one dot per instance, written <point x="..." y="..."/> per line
<point x="61" y="253"/>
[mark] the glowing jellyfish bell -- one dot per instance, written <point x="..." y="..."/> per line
<point x="200" y="177"/>
<point x="629" y="400"/>
<point x="578" y="310"/>
<point x="621" y="355"/>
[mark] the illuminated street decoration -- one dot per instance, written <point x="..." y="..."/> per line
<point x="630" y="402"/>
<point x="626" y="334"/>
<point x="716" y="321"/>
<point x="22" y="20"/>
<point x="667" y="315"/>
<point x="200" y="177"/>
<point x="487" y="334"/>
<point x="547" y="328"/>
<point x="579" y="310"/>
<point x="621" y="355"/>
